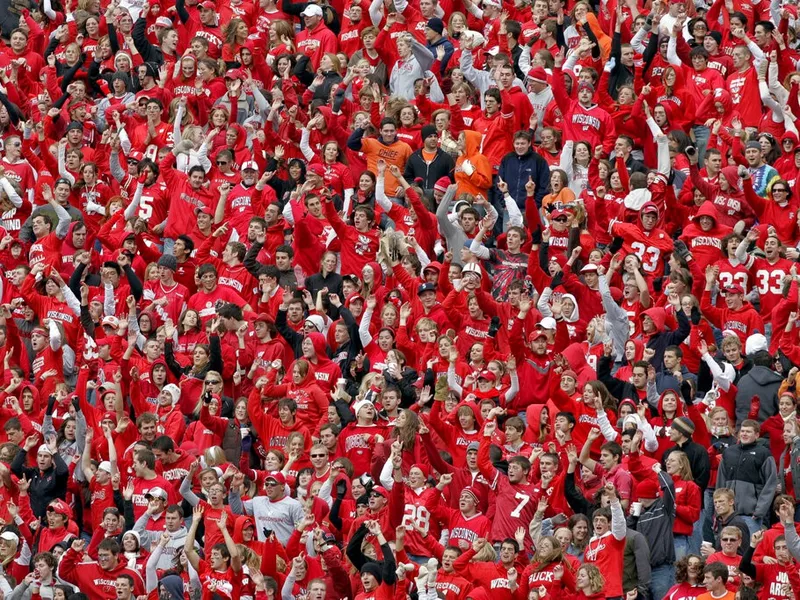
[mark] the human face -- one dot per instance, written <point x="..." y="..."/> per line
<point x="601" y="525"/>
<point x="723" y="506"/>
<point x="44" y="460"/>
<point x="515" y="473"/>
<point x="491" y="104"/>
<point x="730" y="543"/>
<point x="389" y="133"/>
<point x="106" y="560"/>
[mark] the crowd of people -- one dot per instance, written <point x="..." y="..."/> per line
<point x="394" y="299"/>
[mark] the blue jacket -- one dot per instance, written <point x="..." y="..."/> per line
<point x="515" y="170"/>
<point x="448" y="52"/>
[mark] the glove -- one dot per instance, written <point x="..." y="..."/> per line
<point x="103" y="85"/>
<point x="341" y="489"/>
<point x="207" y="397"/>
<point x="51" y="402"/>
<point x="755" y="406"/>
<point x="494" y="325"/>
<point x="609" y="66"/>
<point x="695" y="317"/>
<point x="686" y="392"/>
<point x="616" y="244"/>
<point x="556" y="280"/>
<point x="76" y="403"/>
<point x="338" y="100"/>
<point x="266" y="532"/>
<point x="142" y="178"/>
<point x="681" y="249"/>
<point x="467" y="167"/>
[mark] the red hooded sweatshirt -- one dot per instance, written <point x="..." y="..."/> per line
<point x="312" y="404"/>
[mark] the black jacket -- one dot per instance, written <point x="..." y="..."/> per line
<point x="515" y="170"/>
<point x="45" y="486"/>
<point x="762" y="382"/>
<point x="442" y="166"/>
<point x="698" y="460"/>
<point x="655" y="524"/>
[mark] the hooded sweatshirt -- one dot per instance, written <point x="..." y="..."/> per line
<point x="312" y="405"/>
<point x="473" y="172"/>
<point x="706" y="246"/>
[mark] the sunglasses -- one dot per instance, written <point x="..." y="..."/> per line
<point x="730" y="539"/>
<point x="222" y="162"/>
<point x="775" y="190"/>
<point x="319" y="456"/>
<point x="561" y="219"/>
<point x="271" y="484"/>
<point x="375" y="495"/>
<point x="213" y="381"/>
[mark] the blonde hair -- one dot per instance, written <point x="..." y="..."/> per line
<point x="684" y="466"/>
<point x="214" y="456"/>
<point x="486" y="554"/>
<point x="596" y="580"/>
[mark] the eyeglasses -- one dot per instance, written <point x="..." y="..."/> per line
<point x="319" y="456"/>
<point x="730" y="539"/>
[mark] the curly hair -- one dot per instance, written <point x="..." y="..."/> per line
<point x="682" y="567"/>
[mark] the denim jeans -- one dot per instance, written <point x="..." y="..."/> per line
<point x="701" y="136"/>
<point x="707" y="516"/>
<point x="682" y="546"/>
<point x="661" y="579"/>
<point x="752" y="524"/>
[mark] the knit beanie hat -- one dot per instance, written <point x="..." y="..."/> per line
<point x="684" y="425"/>
<point x="373" y="569"/>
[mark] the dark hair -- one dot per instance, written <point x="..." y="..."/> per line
<point x="230" y="311"/>
<point x="682" y="567"/>
<point x="147" y="457"/>
<point x="675" y="349"/>
<point x="568" y="416"/>
<point x="699" y="51"/>
<point x="188" y="242"/>
<point x="522" y="461"/>
<point x="512" y="542"/>
<point x="523" y="135"/>
<point x="613" y="448"/>
<point x="109" y="544"/>
<point x="288" y="403"/>
<point x="206" y="268"/>
<point x="163" y="443"/>
<point x="388" y="121"/>
<point x="46" y="557"/>
<point x="717" y="570"/>
<point x="286" y="249"/>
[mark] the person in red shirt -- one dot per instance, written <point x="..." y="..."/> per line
<point x="316" y="39"/>
<point x="738" y="316"/>
<point x="97" y="579"/>
<point x="606" y="547"/>
<point x="221" y="574"/>
<point x="210" y="295"/>
<point x="359" y="242"/>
